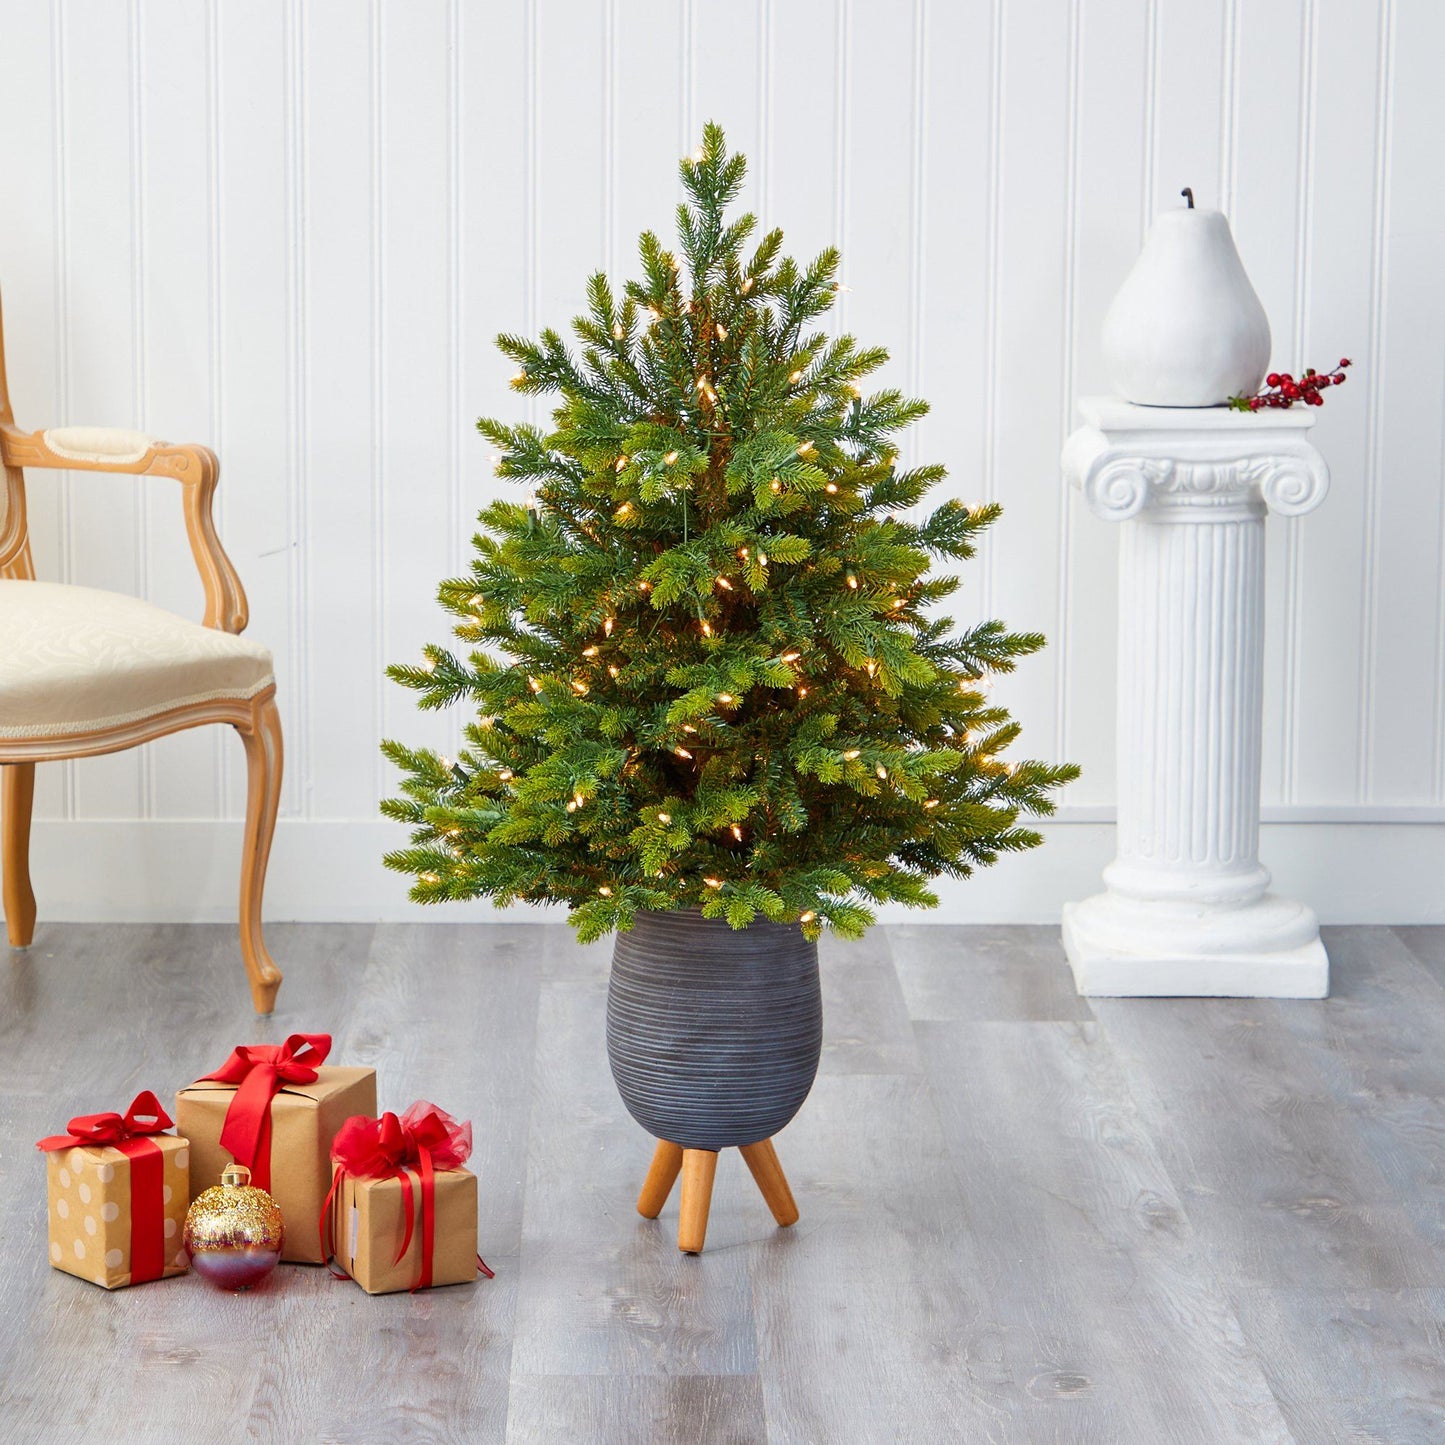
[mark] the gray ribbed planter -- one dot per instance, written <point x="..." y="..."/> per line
<point x="713" y="1034"/>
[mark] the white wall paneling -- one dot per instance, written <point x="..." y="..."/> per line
<point x="291" y="229"/>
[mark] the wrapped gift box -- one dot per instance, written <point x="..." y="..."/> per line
<point x="115" y="1211"/>
<point x="304" y="1116"/>
<point x="371" y="1224"/>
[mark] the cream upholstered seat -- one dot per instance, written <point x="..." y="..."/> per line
<point x="85" y="672"/>
<point x="78" y="660"/>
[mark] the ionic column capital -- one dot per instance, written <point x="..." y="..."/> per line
<point x="1208" y="464"/>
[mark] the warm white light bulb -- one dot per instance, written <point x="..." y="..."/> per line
<point x="807" y="917"/>
<point x="664" y="817"/>
<point x="670" y="458"/>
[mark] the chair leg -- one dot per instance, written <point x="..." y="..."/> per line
<point x="698" y="1168"/>
<point x="17" y="795"/>
<point x="263" y="798"/>
<point x="762" y="1159"/>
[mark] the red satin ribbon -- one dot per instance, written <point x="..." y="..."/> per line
<point x="423" y="1139"/>
<point x="128" y="1133"/>
<point x="260" y="1072"/>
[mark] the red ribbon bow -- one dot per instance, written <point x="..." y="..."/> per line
<point x="128" y="1132"/>
<point x="260" y="1072"/>
<point x="425" y="1139"/>
<point x="145" y="1116"/>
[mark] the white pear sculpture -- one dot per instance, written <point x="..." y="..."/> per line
<point x="1186" y="328"/>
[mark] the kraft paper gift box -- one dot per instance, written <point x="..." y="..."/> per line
<point x="115" y="1210"/>
<point x="282" y="1106"/>
<point x="371" y="1224"/>
<point x="402" y="1213"/>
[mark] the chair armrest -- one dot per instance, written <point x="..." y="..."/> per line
<point x="99" y="449"/>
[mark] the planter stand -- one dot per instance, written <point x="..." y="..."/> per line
<point x="698" y="1166"/>
<point x="1187" y="909"/>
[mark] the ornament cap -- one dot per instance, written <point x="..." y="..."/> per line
<point x="235" y="1174"/>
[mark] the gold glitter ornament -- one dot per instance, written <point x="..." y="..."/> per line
<point x="233" y="1231"/>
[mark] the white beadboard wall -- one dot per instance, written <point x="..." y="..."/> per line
<point x="292" y="229"/>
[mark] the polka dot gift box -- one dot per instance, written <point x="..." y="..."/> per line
<point x="119" y="1188"/>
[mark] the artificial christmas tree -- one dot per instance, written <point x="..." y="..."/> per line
<point x="724" y="685"/>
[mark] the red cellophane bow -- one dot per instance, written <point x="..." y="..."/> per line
<point x="260" y="1072"/>
<point x="424" y="1139"/>
<point x="128" y="1132"/>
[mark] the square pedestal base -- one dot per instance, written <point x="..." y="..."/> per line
<point x="1106" y="966"/>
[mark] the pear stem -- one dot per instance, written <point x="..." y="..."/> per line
<point x="1188" y="194"/>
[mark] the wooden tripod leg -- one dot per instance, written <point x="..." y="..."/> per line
<point x="698" y="1168"/>
<point x="762" y="1159"/>
<point x="661" y="1176"/>
<point x="17" y="794"/>
<point x="263" y="799"/>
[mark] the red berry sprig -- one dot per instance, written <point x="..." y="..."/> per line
<point x="1283" y="390"/>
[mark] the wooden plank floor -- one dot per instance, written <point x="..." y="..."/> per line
<point x="1024" y="1217"/>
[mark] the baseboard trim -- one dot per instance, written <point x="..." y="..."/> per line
<point x="171" y="871"/>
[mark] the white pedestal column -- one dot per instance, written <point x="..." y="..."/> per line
<point x="1187" y="908"/>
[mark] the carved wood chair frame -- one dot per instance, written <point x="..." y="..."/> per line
<point x="256" y="719"/>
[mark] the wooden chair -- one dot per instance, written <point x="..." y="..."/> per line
<point x="84" y="671"/>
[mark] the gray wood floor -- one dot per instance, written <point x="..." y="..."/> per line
<point x="1025" y="1218"/>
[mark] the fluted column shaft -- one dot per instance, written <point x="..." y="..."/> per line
<point x="1191" y="675"/>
